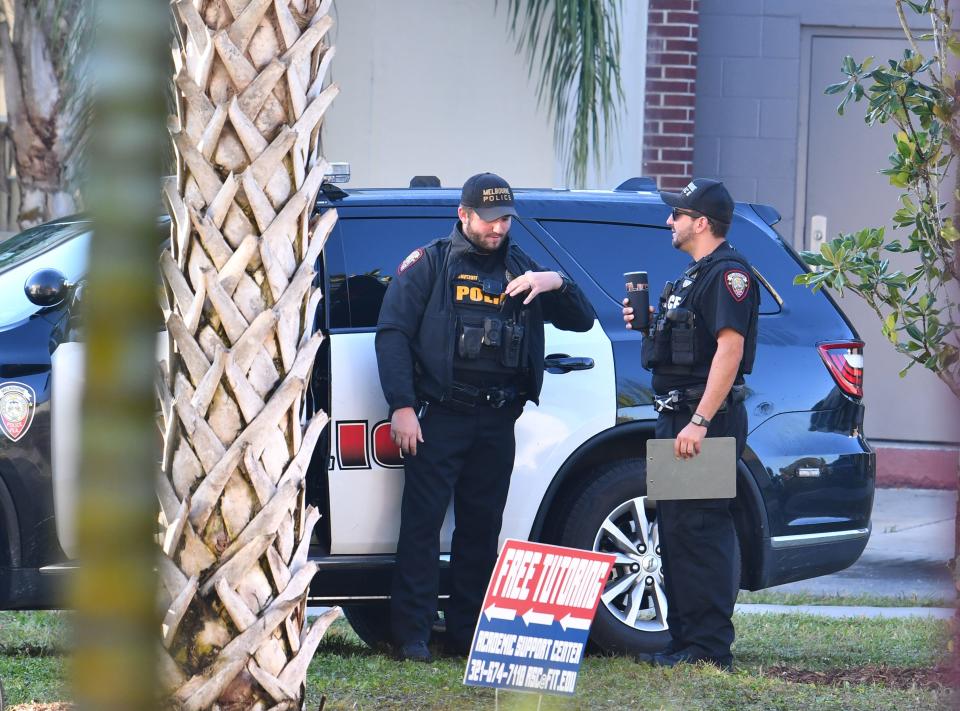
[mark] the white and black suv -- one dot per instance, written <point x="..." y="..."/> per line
<point x="805" y="482"/>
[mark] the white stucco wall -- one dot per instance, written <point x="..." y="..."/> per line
<point x="437" y="88"/>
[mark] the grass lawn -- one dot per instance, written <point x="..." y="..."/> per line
<point x="832" y="658"/>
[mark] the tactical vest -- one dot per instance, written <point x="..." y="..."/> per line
<point x="673" y="345"/>
<point x="490" y="328"/>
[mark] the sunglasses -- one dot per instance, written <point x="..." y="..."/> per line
<point x="676" y="212"/>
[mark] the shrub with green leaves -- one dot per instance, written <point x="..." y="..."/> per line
<point x="919" y="96"/>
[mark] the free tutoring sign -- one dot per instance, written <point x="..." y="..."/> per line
<point x="536" y="618"/>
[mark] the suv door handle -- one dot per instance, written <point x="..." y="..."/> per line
<point x="562" y="363"/>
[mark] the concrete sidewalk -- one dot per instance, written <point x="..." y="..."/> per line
<point x="908" y="552"/>
<point x="942" y="613"/>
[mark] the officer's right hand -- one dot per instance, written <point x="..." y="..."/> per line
<point x="628" y="313"/>
<point x="405" y="430"/>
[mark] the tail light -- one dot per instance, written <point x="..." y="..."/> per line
<point x="844" y="360"/>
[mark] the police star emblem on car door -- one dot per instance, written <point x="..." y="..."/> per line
<point x="17" y="405"/>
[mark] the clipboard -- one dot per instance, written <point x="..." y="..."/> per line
<point x="712" y="474"/>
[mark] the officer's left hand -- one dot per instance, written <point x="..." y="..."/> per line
<point x="687" y="444"/>
<point x="535" y="282"/>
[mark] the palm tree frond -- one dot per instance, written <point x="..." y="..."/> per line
<point x="576" y="46"/>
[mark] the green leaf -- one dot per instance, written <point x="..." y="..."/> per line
<point x="900" y="180"/>
<point x="889" y="327"/>
<point x="913" y="63"/>
<point x="950" y="232"/>
<point x="836" y="88"/>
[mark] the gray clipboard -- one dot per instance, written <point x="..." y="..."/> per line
<point x="712" y="474"/>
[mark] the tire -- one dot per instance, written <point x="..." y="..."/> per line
<point x="370" y="622"/>
<point x="613" y="515"/>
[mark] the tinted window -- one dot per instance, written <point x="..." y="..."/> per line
<point x="372" y="250"/>
<point x="37" y="240"/>
<point x="607" y="250"/>
<point x="533" y="248"/>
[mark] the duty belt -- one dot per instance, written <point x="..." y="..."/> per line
<point x="672" y="401"/>
<point x="472" y="396"/>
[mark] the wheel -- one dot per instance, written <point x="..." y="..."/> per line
<point x="370" y="622"/>
<point x="613" y="515"/>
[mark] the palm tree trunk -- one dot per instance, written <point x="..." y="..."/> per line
<point x="43" y="42"/>
<point x="240" y="304"/>
<point x="114" y="667"/>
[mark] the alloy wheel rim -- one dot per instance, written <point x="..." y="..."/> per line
<point x="634" y="592"/>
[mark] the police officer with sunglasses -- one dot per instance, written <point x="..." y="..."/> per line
<point x="701" y="343"/>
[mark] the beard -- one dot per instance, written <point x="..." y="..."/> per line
<point x="486" y="241"/>
<point x="681" y="237"/>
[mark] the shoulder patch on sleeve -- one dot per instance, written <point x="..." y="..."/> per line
<point x="737" y="282"/>
<point x="410" y="260"/>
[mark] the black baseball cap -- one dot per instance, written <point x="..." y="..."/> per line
<point x="708" y="197"/>
<point x="489" y="195"/>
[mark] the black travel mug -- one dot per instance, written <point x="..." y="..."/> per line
<point x="638" y="292"/>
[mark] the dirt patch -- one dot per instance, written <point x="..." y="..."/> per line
<point x="939" y="677"/>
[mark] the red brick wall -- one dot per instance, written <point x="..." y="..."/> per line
<point x="669" y="98"/>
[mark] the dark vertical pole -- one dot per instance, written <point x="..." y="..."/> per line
<point x="118" y="622"/>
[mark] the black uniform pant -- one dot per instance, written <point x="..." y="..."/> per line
<point x="468" y="455"/>
<point x="697" y="541"/>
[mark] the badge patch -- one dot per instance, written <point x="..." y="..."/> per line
<point x="17" y="405"/>
<point x="410" y="260"/>
<point x="738" y="283"/>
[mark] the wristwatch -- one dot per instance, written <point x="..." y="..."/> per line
<point x="699" y="420"/>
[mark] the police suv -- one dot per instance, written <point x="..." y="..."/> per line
<point x="804" y="485"/>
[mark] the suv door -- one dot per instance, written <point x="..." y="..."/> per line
<point x="365" y="475"/>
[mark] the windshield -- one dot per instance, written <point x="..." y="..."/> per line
<point x="37" y="240"/>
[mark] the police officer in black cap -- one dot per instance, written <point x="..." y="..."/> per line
<point x="460" y="349"/>
<point x="701" y="342"/>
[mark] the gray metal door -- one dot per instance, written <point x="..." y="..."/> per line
<point x="843" y="187"/>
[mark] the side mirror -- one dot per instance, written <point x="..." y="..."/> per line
<point x="46" y="287"/>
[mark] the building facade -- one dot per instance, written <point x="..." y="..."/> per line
<point x="731" y="89"/>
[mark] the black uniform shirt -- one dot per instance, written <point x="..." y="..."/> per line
<point x="722" y="294"/>
<point x="417" y="324"/>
